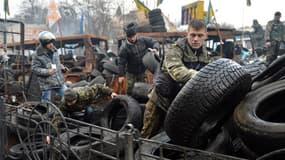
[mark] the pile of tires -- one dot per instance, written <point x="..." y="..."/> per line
<point x="156" y="20"/>
<point x="206" y="103"/>
<point x="259" y="118"/>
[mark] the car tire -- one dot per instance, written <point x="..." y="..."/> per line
<point x="120" y="111"/>
<point x="259" y="118"/>
<point x="206" y="102"/>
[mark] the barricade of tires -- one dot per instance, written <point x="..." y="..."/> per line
<point x="156" y="20"/>
<point x="218" y="114"/>
<point x="227" y="104"/>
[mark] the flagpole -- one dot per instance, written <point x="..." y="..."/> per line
<point x="5" y="51"/>
<point x="60" y="35"/>
<point x="5" y="31"/>
<point x="219" y="34"/>
<point x="216" y="25"/>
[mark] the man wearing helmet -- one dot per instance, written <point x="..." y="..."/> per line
<point x="47" y="67"/>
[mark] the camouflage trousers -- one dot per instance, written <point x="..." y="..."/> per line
<point x="132" y="79"/>
<point x="154" y="114"/>
<point x="272" y="52"/>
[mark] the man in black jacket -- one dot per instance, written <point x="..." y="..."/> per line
<point x="131" y="55"/>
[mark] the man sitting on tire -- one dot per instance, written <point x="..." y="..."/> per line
<point x="180" y="63"/>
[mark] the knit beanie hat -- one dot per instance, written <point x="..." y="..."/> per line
<point x="70" y="95"/>
<point x="130" y="29"/>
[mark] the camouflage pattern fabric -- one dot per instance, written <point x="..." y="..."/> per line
<point x="181" y="63"/>
<point x="87" y="96"/>
<point x="274" y="31"/>
<point x="95" y="95"/>
<point x="153" y="116"/>
<point x="132" y="79"/>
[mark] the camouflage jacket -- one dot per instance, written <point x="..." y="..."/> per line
<point x="131" y="55"/>
<point x="41" y="64"/>
<point x="275" y="31"/>
<point x="87" y="96"/>
<point x="180" y="64"/>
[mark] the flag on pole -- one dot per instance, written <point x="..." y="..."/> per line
<point x="248" y="2"/>
<point x="159" y="2"/>
<point x="82" y="24"/>
<point x="53" y="13"/>
<point x="210" y="13"/>
<point x="6" y="7"/>
<point x="142" y="7"/>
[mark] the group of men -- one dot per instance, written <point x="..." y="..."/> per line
<point x="182" y="61"/>
<point x="271" y="38"/>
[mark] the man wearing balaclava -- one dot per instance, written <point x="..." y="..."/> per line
<point x="131" y="56"/>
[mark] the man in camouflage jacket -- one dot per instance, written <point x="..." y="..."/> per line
<point x="130" y="57"/>
<point x="274" y="35"/>
<point x="181" y="62"/>
<point x="79" y="98"/>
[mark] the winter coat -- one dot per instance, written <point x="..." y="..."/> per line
<point x="42" y="63"/>
<point x="131" y="55"/>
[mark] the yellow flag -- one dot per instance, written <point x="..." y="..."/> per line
<point x="142" y="7"/>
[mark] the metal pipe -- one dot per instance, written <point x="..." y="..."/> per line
<point x="3" y="129"/>
<point x="129" y="150"/>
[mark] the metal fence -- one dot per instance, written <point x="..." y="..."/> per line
<point x="42" y="132"/>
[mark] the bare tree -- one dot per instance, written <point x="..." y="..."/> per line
<point x="28" y="11"/>
<point x="70" y="18"/>
<point x="97" y="15"/>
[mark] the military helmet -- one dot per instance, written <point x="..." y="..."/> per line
<point x="46" y="37"/>
<point x="131" y="29"/>
<point x="70" y="95"/>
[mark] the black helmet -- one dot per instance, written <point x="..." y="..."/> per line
<point x="131" y="29"/>
<point x="46" y="37"/>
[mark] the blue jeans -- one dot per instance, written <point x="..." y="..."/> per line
<point x="46" y="94"/>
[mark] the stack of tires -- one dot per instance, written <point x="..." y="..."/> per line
<point x="156" y="21"/>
